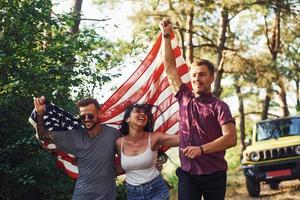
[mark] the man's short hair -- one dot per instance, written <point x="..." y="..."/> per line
<point x="207" y="63"/>
<point x="88" y="101"/>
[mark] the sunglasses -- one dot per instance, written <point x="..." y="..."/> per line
<point x="139" y="110"/>
<point x="89" y="116"/>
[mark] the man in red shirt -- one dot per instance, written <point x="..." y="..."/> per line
<point x="206" y="127"/>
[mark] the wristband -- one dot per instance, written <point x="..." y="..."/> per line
<point x="201" y="149"/>
<point x="167" y="35"/>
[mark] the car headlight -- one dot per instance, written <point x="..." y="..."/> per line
<point x="297" y="149"/>
<point x="254" y="156"/>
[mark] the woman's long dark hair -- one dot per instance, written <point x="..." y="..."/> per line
<point x="148" y="111"/>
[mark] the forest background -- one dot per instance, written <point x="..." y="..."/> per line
<point x="254" y="45"/>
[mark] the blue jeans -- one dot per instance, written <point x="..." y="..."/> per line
<point x="193" y="187"/>
<point x="156" y="189"/>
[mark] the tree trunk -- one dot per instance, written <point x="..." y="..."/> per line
<point x="275" y="51"/>
<point x="282" y="95"/>
<point x="189" y="37"/>
<point x="76" y="13"/>
<point x="265" y="110"/>
<point x="70" y="61"/>
<point x="242" y="115"/>
<point x="297" y="95"/>
<point x="274" y="47"/>
<point x="220" y="47"/>
<point x="275" y="43"/>
<point x="181" y="40"/>
<point x="266" y="103"/>
<point x="47" y="34"/>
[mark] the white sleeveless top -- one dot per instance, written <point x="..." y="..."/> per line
<point x="141" y="168"/>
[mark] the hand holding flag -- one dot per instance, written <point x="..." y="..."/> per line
<point x="56" y="119"/>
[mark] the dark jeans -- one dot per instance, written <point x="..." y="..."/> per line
<point x="193" y="187"/>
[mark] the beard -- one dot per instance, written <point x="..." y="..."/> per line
<point x="91" y="127"/>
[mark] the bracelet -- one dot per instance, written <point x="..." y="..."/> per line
<point x="167" y="35"/>
<point x="201" y="149"/>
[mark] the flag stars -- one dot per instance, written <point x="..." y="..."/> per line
<point x="69" y="127"/>
<point x="54" y="119"/>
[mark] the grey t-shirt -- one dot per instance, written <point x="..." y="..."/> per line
<point x="95" y="161"/>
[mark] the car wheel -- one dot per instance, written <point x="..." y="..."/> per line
<point x="253" y="187"/>
<point x="274" y="185"/>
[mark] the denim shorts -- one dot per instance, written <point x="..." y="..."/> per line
<point x="156" y="189"/>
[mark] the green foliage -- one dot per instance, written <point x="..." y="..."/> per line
<point x="227" y="92"/>
<point x="172" y="180"/>
<point x="121" y="193"/>
<point x="233" y="157"/>
<point x="27" y="172"/>
<point x="39" y="56"/>
<point x="298" y="108"/>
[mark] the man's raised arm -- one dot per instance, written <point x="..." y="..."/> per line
<point x="40" y="107"/>
<point x="168" y="57"/>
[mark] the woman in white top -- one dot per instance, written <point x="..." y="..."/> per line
<point x="138" y="149"/>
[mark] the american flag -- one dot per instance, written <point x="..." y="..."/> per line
<point x="148" y="84"/>
<point x="56" y="119"/>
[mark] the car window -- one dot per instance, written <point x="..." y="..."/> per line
<point x="277" y="128"/>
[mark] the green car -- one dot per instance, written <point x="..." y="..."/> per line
<point x="274" y="154"/>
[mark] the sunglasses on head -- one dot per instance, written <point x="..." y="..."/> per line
<point x="138" y="110"/>
<point x="89" y="116"/>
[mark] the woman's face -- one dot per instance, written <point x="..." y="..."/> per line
<point x="138" y="116"/>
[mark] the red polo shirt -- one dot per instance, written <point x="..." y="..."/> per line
<point x="200" y="121"/>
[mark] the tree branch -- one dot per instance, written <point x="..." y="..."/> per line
<point x="267" y="34"/>
<point x="196" y="33"/>
<point x="205" y="45"/>
<point x="98" y="20"/>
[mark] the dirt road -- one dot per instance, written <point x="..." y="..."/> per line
<point x="236" y="190"/>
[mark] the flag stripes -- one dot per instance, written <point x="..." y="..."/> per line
<point x="148" y="84"/>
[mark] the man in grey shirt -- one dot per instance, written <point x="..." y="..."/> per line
<point x="93" y="146"/>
